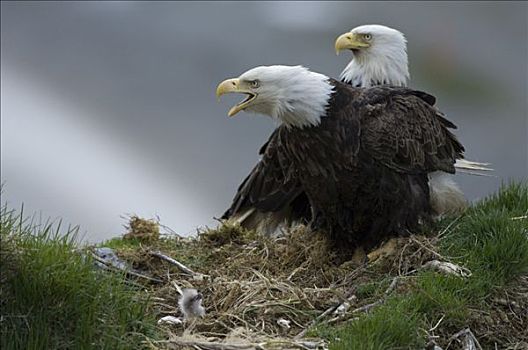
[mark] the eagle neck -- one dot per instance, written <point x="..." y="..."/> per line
<point x="366" y="70"/>
<point x="305" y="105"/>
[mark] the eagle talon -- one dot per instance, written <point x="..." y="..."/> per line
<point x="387" y="249"/>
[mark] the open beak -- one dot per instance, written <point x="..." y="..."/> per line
<point x="350" y="41"/>
<point x="233" y="85"/>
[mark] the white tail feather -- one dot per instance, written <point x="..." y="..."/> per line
<point x="469" y="172"/>
<point x="470" y="165"/>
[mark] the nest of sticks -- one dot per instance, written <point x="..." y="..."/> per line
<point x="266" y="292"/>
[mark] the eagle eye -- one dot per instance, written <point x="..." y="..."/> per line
<point x="254" y="83"/>
<point x="367" y="37"/>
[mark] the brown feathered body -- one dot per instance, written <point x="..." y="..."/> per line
<point x="360" y="174"/>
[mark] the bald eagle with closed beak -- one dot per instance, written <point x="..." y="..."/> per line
<point x="379" y="57"/>
<point x="360" y="156"/>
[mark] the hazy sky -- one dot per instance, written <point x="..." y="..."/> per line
<point x="108" y="108"/>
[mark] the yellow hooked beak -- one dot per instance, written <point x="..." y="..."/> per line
<point x="233" y="85"/>
<point x="350" y="41"/>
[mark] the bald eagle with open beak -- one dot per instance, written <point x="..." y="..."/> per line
<point x="360" y="156"/>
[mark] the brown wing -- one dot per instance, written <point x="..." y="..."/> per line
<point x="267" y="187"/>
<point x="403" y="130"/>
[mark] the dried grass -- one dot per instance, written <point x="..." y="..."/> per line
<point x="142" y="229"/>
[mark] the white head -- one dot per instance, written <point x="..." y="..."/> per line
<point x="379" y="56"/>
<point x="292" y="95"/>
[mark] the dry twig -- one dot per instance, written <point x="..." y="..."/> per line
<point x="177" y="342"/>
<point x="469" y="341"/>
<point x="176" y="263"/>
<point x="448" y="268"/>
<point x="364" y="308"/>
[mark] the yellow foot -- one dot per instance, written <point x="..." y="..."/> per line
<point x="387" y="249"/>
<point x="359" y="257"/>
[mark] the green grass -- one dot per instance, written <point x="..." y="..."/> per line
<point x="370" y="289"/>
<point x="486" y="240"/>
<point x="120" y="243"/>
<point x="53" y="298"/>
<point x="384" y="328"/>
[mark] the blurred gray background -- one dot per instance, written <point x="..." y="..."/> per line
<point x="108" y="108"/>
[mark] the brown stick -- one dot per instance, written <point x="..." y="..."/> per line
<point x="176" y="263"/>
<point x="321" y="316"/>
<point x="366" y="308"/>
